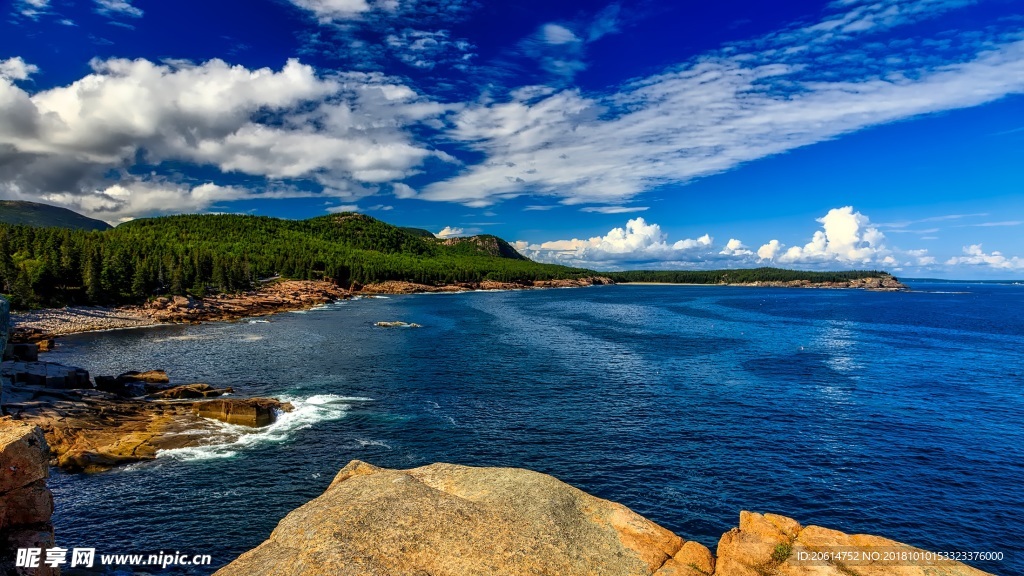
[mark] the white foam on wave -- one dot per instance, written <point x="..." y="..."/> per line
<point x="259" y="321"/>
<point x="227" y="440"/>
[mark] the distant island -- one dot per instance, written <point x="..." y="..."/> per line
<point x="55" y="262"/>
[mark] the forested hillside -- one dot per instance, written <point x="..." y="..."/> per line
<point x="36" y="214"/>
<point x="198" y="254"/>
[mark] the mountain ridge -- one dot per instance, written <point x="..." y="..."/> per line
<point x="25" y="213"/>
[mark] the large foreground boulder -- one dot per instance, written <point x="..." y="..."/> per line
<point x="26" y="504"/>
<point x="447" y="520"/>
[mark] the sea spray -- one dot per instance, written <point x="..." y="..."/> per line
<point x="227" y="440"/>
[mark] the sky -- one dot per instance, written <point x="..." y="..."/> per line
<point x="843" y="134"/>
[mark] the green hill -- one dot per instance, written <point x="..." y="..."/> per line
<point x="198" y="254"/>
<point x="17" y="212"/>
<point x="484" y="244"/>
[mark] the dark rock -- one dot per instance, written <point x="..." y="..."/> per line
<point x="187" y="391"/>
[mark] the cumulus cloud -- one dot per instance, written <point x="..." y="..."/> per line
<point x="637" y="242"/>
<point x="847" y="239"/>
<point x="342" y="132"/>
<point x="770" y="250"/>
<point x="124" y="201"/>
<point x="846" y="236"/>
<point x="735" y="248"/>
<point x="450" y="232"/>
<point x="975" y="256"/>
<point x="16" y="69"/>
<point x="747" y="101"/>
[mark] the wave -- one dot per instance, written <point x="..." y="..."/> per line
<point x="227" y="440"/>
<point x="259" y="321"/>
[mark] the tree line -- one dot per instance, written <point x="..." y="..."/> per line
<point x="202" y="254"/>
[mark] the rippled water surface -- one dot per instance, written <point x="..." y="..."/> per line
<point x="899" y="414"/>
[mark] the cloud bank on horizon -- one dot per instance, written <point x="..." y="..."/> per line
<point x="361" y="111"/>
<point x="845" y="239"/>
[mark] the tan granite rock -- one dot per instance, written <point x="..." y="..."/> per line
<point x="448" y="520"/>
<point x="245" y="412"/>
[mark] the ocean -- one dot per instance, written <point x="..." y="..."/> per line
<point x="895" y="414"/>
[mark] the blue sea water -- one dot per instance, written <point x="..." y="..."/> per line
<point x="896" y="414"/>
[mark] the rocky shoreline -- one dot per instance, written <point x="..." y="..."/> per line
<point x="874" y="284"/>
<point x="450" y="520"/>
<point x="41" y="326"/>
<point x="92" y="427"/>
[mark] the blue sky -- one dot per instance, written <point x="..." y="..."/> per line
<point x="821" y="135"/>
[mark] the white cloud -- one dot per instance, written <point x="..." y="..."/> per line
<point x="637" y="242"/>
<point x="846" y="237"/>
<point x="344" y="131"/>
<point x="403" y="191"/>
<point x="557" y="34"/>
<point x="126" y="200"/>
<point x="344" y="208"/>
<point x="333" y="10"/>
<point x="770" y="250"/>
<point x="425" y="49"/>
<point x="975" y="256"/>
<point x="17" y="69"/>
<point x="614" y="209"/>
<point x="118" y="8"/>
<point x="450" y="232"/>
<point x="747" y="101"/>
<point x="735" y="248"/>
<point x="32" y="8"/>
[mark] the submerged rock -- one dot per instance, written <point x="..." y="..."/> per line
<point x="448" y="520"/>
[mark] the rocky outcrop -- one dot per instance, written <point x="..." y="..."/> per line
<point x="448" y="520"/>
<point x="45" y="374"/>
<point x="875" y="284"/>
<point x="93" y="430"/>
<point x="272" y="297"/>
<point x="26" y="504"/>
<point x="397" y="324"/>
<point x="187" y="391"/>
<point x="253" y="412"/>
<point x="769" y="544"/>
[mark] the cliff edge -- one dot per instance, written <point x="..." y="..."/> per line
<point x="26" y="504"/>
<point x="449" y="520"/>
